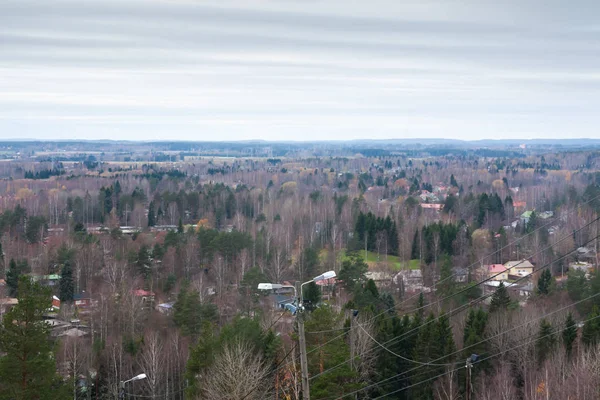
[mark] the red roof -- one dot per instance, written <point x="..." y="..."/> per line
<point x="496" y="268"/>
<point x="142" y="292"/>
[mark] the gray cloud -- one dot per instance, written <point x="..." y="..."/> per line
<point x="297" y="70"/>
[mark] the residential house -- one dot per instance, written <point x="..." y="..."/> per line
<point x="165" y="308"/>
<point x="48" y="280"/>
<point x="146" y="296"/>
<point x="495" y="269"/>
<point x="431" y="206"/>
<point x="82" y="300"/>
<point x="461" y="274"/>
<point x="584" y="253"/>
<point x="381" y="278"/>
<point x="411" y="280"/>
<point x="546" y="215"/>
<point x="491" y="286"/>
<point x="586" y="267"/>
<point x="523" y="291"/>
<point x="519" y="268"/>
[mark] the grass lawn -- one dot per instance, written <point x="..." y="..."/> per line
<point x="374" y="258"/>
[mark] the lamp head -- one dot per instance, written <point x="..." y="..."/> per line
<point x="325" y="275"/>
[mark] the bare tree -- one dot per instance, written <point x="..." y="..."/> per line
<point x="151" y="362"/>
<point x="237" y="373"/>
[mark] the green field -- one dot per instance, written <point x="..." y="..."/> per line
<point x="373" y="258"/>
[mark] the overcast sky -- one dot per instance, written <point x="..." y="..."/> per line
<point x="299" y="70"/>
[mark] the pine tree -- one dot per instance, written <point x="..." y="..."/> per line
<point x="27" y="367"/>
<point x="66" y="283"/>
<point x="500" y="299"/>
<point x="545" y="282"/>
<point x="545" y="341"/>
<point x="569" y="334"/>
<point x="180" y="226"/>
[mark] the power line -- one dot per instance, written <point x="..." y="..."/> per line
<point x="464" y="306"/>
<point x="398" y="355"/>
<point x="467" y="347"/>
<point x="451" y="276"/>
<point x="481" y="360"/>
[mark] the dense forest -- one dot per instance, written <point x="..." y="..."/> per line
<point x="460" y="274"/>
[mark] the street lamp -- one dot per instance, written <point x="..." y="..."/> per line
<point x="300" y="318"/>
<point x="135" y="378"/>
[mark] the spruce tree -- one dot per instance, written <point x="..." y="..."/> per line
<point x="180" y="226"/>
<point x="569" y="334"/>
<point x="414" y="251"/>
<point x="545" y="341"/>
<point x="12" y="277"/>
<point x="545" y="282"/>
<point x="151" y="216"/>
<point x="446" y="285"/>
<point x="591" y="328"/>
<point x="500" y="299"/>
<point x="67" y="288"/>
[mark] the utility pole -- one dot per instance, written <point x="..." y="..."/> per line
<point x="302" y="342"/>
<point x="469" y="365"/>
<point x="303" y="360"/>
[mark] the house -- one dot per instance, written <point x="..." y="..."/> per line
<point x="48" y="280"/>
<point x="165" y="308"/>
<point x="519" y="205"/>
<point x="82" y="300"/>
<point x="411" y="280"/>
<point x="430" y="206"/>
<point x="145" y="295"/>
<point x="525" y="290"/>
<point x="491" y="286"/>
<point x="7" y="303"/>
<point x="520" y="268"/>
<point x="546" y="215"/>
<point x="461" y="274"/>
<point x="381" y="278"/>
<point x="495" y="269"/>
<point x="586" y="267"/>
<point x="584" y="253"/>
<point x="55" y="303"/>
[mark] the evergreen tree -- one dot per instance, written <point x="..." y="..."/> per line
<point x="311" y="296"/>
<point x="500" y="299"/>
<point x="590" y="333"/>
<point x="569" y="334"/>
<point x="545" y="341"/>
<point x="180" y="226"/>
<point x="66" y="283"/>
<point x="27" y="367"/>
<point x="453" y="181"/>
<point x="189" y="312"/>
<point x="545" y="282"/>
<point x="15" y="270"/>
<point x="446" y="284"/>
<point x="353" y="271"/>
<point x="151" y="216"/>
<point x="415" y="254"/>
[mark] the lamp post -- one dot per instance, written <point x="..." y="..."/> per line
<point x="300" y="319"/>
<point x="135" y="378"/>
